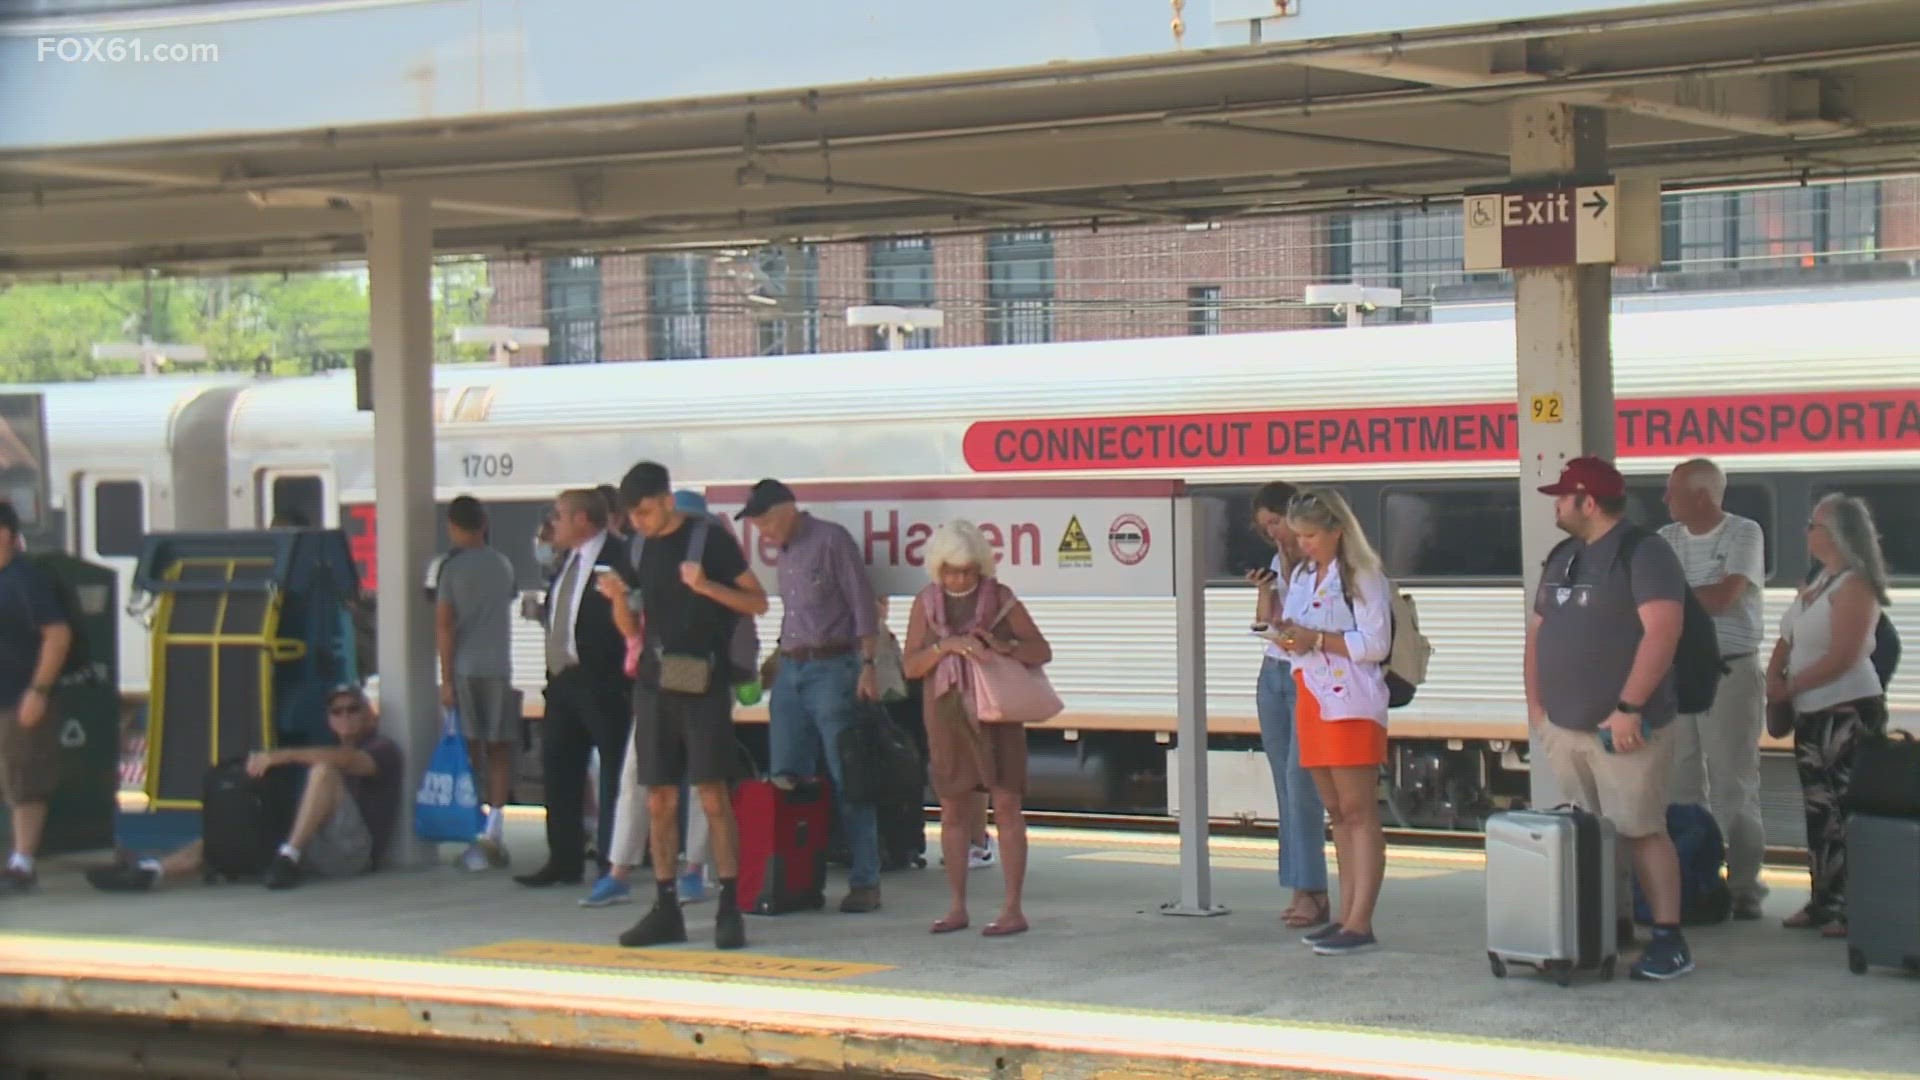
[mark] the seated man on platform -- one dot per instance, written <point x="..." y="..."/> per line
<point x="345" y="817"/>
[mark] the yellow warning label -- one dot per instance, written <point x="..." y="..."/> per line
<point x="569" y="954"/>
<point x="1075" y="548"/>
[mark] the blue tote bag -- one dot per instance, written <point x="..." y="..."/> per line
<point x="447" y="808"/>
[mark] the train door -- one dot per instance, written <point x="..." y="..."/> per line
<point x="111" y="515"/>
<point x="296" y="496"/>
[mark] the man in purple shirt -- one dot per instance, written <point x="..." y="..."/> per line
<point x="827" y="635"/>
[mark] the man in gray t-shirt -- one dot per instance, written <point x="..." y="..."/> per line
<point x="1599" y="680"/>
<point x="472" y="587"/>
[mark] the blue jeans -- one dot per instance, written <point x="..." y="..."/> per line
<point x="1303" y="818"/>
<point x="813" y="702"/>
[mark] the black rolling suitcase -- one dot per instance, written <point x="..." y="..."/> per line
<point x="244" y="819"/>
<point x="903" y="836"/>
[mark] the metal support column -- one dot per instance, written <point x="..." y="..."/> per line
<point x="1190" y="645"/>
<point x="400" y="265"/>
<point x="1562" y="328"/>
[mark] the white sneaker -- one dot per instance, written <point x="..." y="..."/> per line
<point x="473" y="859"/>
<point x="979" y="858"/>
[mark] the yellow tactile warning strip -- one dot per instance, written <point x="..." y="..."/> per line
<point x="778" y="1025"/>
<point x="573" y="954"/>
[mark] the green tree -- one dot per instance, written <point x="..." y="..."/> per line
<point x="297" y="322"/>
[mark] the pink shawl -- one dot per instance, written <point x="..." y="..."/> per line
<point x="950" y="673"/>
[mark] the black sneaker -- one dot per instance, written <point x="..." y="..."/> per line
<point x="729" y="928"/>
<point x="17" y="882"/>
<point x="664" y="925"/>
<point x="122" y="878"/>
<point x="1667" y="957"/>
<point x="283" y="873"/>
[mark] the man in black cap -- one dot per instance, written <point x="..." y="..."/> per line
<point x="829" y="624"/>
<point x="347" y="808"/>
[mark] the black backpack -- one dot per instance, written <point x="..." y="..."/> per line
<point x="1697" y="666"/>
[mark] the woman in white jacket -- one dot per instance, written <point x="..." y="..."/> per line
<point x="1337" y="624"/>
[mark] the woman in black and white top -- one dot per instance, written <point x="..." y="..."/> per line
<point x="1822" y="665"/>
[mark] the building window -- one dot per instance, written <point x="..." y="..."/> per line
<point x="1415" y="251"/>
<point x="901" y="273"/>
<point x="1020" y="287"/>
<point x="1769" y="228"/>
<point x="573" y="310"/>
<point x="676" y="307"/>
<point x="1203" y="310"/>
<point x="770" y="283"/>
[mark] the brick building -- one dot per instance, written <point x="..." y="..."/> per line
<point x="1082" y="284"/>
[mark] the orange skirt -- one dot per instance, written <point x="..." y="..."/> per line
<point x="1332" y="744"/>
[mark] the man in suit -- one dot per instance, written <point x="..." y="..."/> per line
<point x="587" y="692"/>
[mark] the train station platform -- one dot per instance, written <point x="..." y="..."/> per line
<point x="1103" y="986"/>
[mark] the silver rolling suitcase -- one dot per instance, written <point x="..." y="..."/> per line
<point x="1550" y="893"/>
<point x="1883" y="892"/>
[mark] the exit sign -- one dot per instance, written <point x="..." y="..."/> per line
<point x="1556" y="226"/>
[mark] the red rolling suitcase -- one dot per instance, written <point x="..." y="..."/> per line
<point x="783" y="845"/>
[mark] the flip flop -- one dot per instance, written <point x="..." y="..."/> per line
<point x="947" y="926"/>
<point x="996" y="928"/>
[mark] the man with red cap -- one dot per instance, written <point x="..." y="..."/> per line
<point x="1600" y="690"/>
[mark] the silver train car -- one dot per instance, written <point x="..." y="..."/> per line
<point x="1414" y="423"/>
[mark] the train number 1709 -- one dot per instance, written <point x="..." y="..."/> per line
<point x="487" y="466"/>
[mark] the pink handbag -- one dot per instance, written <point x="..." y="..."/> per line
<point x="1002" y="690"/>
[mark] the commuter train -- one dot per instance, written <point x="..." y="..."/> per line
<point x="1417" y="425"/>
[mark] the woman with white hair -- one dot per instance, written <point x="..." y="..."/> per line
<point x="961" y="615"/>
<point x="1822" y="669"/>
<point x="1337" y="624"/>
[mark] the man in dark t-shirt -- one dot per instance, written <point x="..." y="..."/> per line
<point x="689" y="604"/>
<point x="34" y="638"/>
<point x="348" y="802"/>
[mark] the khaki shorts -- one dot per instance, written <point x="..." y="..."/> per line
<point x="29" y="757"/>
<point x="343" y="847"/>
<point x="1629" y="790"/>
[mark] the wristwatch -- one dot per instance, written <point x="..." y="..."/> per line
<point x="1623" y="707"/>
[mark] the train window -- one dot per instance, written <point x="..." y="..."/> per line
<point x="299" y="501"/>
<point x="1646" y="505"/>
<point x="1451" y="530"/>
<point x="1896" y="516"/>
<point x="119" y="518"/>
<point x="511" y="526"/>
<point x="1234" y="544"/>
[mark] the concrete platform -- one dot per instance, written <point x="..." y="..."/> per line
<point x="1103" y="985"/>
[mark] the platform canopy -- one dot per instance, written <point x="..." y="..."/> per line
<point x="1736" y="90"/>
